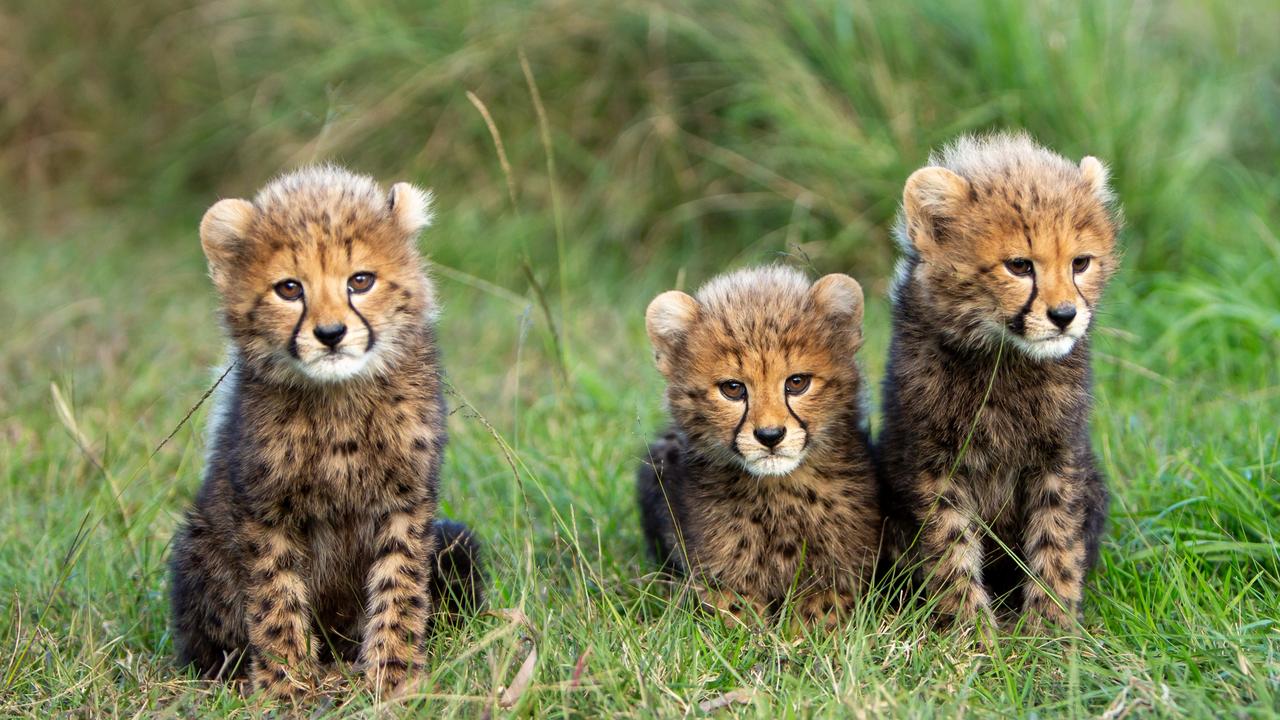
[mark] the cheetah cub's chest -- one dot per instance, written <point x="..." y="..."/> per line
<point x="774" y="534"/>
<point x="351" y="455"/>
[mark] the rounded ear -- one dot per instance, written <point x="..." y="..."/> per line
<point x="222" y="234"/>
<point x="668" y="320"/>
<point x="932" y="196"/>
<point x="411" y="207"/>
<point x="1095" y="173"/>
<point x="839" y="297"/>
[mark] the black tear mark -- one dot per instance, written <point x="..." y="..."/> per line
<point x="368" y="345"/>
<point x="1019" y="324"/>
<point x="1076" y="285"/>
<point x="746" y="408"/>
<point x="293" y="338"/>
<point x="786" y="400"/>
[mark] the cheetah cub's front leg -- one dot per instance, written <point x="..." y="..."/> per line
<point x="283" y="654"/>
<point x="399" y="602"/>
<point x="1055" y="550"/>
<point x="951" y="542"/>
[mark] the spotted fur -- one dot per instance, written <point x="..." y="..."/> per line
<point x="987" y="398"/>
<point x="753" y="524"/>
<point x="315" y="531"/>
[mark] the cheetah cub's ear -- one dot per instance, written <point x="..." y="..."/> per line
<point x="932" y="196"/>
<point x="839" y="298"/>
<point x="668" y="320"/>
<point x="222" y="235"/>
<point x="411" y="207"/>
<point x="1095" y="173"/>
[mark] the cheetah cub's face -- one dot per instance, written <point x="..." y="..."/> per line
<point x="319" y="275"/>
<point x="1019" y="249"/>
<point x="759" y="364"/>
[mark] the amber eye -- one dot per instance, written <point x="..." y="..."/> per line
<point x="289" y="289"/>
<point x="360" y="282"/>
<point x="733" y="390"/>
<point x="797" y="384"/>
<point x="1081" y="263"/>
<point x="1019" y="266"/>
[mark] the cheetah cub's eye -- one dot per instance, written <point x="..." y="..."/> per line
<point x="733" y="390"/>
<point x="797" y="384"/>
<point x="360" y="282"/>
<point x="289" y="290"/>
<point x="1081" y="263"/>
<point x="1021" y="267"/>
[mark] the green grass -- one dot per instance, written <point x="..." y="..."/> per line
<point x="685" y="142"/>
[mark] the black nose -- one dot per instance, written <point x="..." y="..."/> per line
<point x="331" y="335"/>
<point x="770" y="436"/>
<point x="1062" y="315"/>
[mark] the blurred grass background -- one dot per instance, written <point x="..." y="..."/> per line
<point x="648" y="145"/>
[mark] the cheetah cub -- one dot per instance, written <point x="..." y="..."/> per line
<point x="985" y="443"/>
<point x="763" y="487"/>
<point x="315" y="532"/>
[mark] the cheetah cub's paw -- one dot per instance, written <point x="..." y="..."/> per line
<point x="282" y="682"/>
<point x="825" y="609"/>
<point x="1043" y="612"/>
<point x="732" y="608"/>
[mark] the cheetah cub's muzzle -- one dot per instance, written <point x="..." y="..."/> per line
<point x="772" y="440"/>
<point x="337" y="342"/>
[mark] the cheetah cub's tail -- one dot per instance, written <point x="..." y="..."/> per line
<point x="657" y="491"/>
<point x="457" y="585"/>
